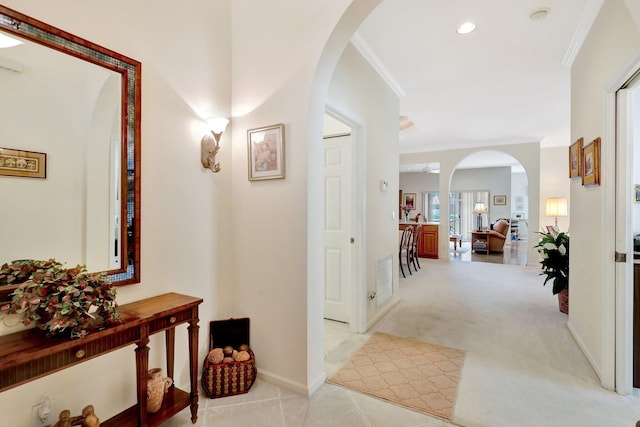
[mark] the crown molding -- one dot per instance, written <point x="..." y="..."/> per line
<point x="365" y="50"/>
<point x="587" y="18"/>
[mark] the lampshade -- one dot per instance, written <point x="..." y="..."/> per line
<point x="479" y="208"/>
<point x="556" y="206"/>
<point x="217" y="124"/>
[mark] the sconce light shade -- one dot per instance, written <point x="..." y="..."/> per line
<point x="210" y="144"/>
<point x="217" y="125"/>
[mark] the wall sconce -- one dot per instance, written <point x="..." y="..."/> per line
<point x="211" y="144"/>
<point x="479" y="208"/>
<point x="556" y="206"/>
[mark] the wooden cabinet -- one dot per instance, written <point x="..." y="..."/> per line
<point x="28" y="355"/>
<point x="427" y="240"/>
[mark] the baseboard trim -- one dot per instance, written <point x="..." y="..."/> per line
<point x="392" y="303"/>
<point x="585" y="351"/>
<point x="293" y="386"/>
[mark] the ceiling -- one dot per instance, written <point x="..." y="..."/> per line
<point x="504" y="83"/>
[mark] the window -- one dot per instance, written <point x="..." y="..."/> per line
<point x="462" y="220"/>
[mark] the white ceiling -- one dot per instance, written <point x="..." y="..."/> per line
<point x="504" y="83"/>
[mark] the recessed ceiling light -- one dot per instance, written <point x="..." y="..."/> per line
<point x="466" y="28"/>
<point x="6" y="41"/>
<point x="539" y="14"/>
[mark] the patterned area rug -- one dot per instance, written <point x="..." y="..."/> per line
<point x="405" y="371"/>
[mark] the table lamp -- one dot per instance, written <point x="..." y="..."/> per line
<point x="479" y="209"/>
<point x="556" y="206"/>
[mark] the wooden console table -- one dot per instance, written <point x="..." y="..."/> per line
<point x="28" y="355"/>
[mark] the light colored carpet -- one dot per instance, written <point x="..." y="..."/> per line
<point x="412" y="373"/>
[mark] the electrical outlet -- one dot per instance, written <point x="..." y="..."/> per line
<point x="42" y="413"/>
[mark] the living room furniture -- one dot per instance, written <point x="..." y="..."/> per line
<point x="457" y="241"/>
<point x="29" y="355"/>
<point x="494" y="238"/>
<point x="414" y="246"/>
<point x="406" y="245"/>
<point x="428" y="239"/>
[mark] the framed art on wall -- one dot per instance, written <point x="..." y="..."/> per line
<point x="266" y="152"/>
<point x="575" y="159"/>
<point x="499" y="200"/>
<point x="28" y="164"/>
<point x="591" y="164"/>
<point x="410" y="200"/>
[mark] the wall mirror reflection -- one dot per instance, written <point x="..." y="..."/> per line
<point x="78" y="103"/>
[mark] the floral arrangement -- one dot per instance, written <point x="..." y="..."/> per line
<point x="62" y="299"/>
<point x="406" y="209"/>
<point x="554" y="250"/>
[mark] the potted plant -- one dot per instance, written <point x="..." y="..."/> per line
<point x="19" y="271"/>
<point x="554" y="251"/>
<point x="64" y="300"/>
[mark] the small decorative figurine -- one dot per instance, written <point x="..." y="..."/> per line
<point x="87" y="419"/>
<point x="64" y="419"/>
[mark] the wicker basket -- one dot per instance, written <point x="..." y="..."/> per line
<point x="230" y="378"/>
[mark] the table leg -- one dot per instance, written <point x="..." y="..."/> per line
<point x="142" y="369"/>
<point x="193" y="329"/>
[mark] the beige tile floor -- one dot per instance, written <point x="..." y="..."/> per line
<point x="522" y="369"/>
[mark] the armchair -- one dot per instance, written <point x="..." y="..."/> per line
<point x="498" y="235"/>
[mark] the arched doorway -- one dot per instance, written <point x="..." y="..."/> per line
<point x="497" y="183"/>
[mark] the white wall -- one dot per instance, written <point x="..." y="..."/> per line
<point x="186" y="210"/>
<point x="554" y="182"/>
<point x="359" y="93"/>
<point x="606" y="54"/>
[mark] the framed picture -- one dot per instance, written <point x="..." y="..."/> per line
<point x="27" y="164"/>
<point x="591" y="164"/>
<point x="636" y="191"/>
<point x="266" y="152"/>
<point x="410" y="200"/>
<point x="575" y="159"/>
<point x="499" y="200"/>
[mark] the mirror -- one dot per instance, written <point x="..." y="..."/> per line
<point x="79" y="104"/>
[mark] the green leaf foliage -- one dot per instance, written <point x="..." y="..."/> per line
<point x="61" y="299"/>
<point x="554" y="253"/>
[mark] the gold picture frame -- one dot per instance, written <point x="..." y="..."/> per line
<point x="575" y="158"/>
<point x="22" y="163"/>
<point x="591" y="164"/>
<point x="265" y="148"/>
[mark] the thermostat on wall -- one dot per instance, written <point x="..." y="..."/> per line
<point x="384" y="185"/>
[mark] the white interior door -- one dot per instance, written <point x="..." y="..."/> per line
<point x="626" y="130"/>
<point x="337" y="230"/>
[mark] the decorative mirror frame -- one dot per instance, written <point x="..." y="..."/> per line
<point x="130" y="70"/>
